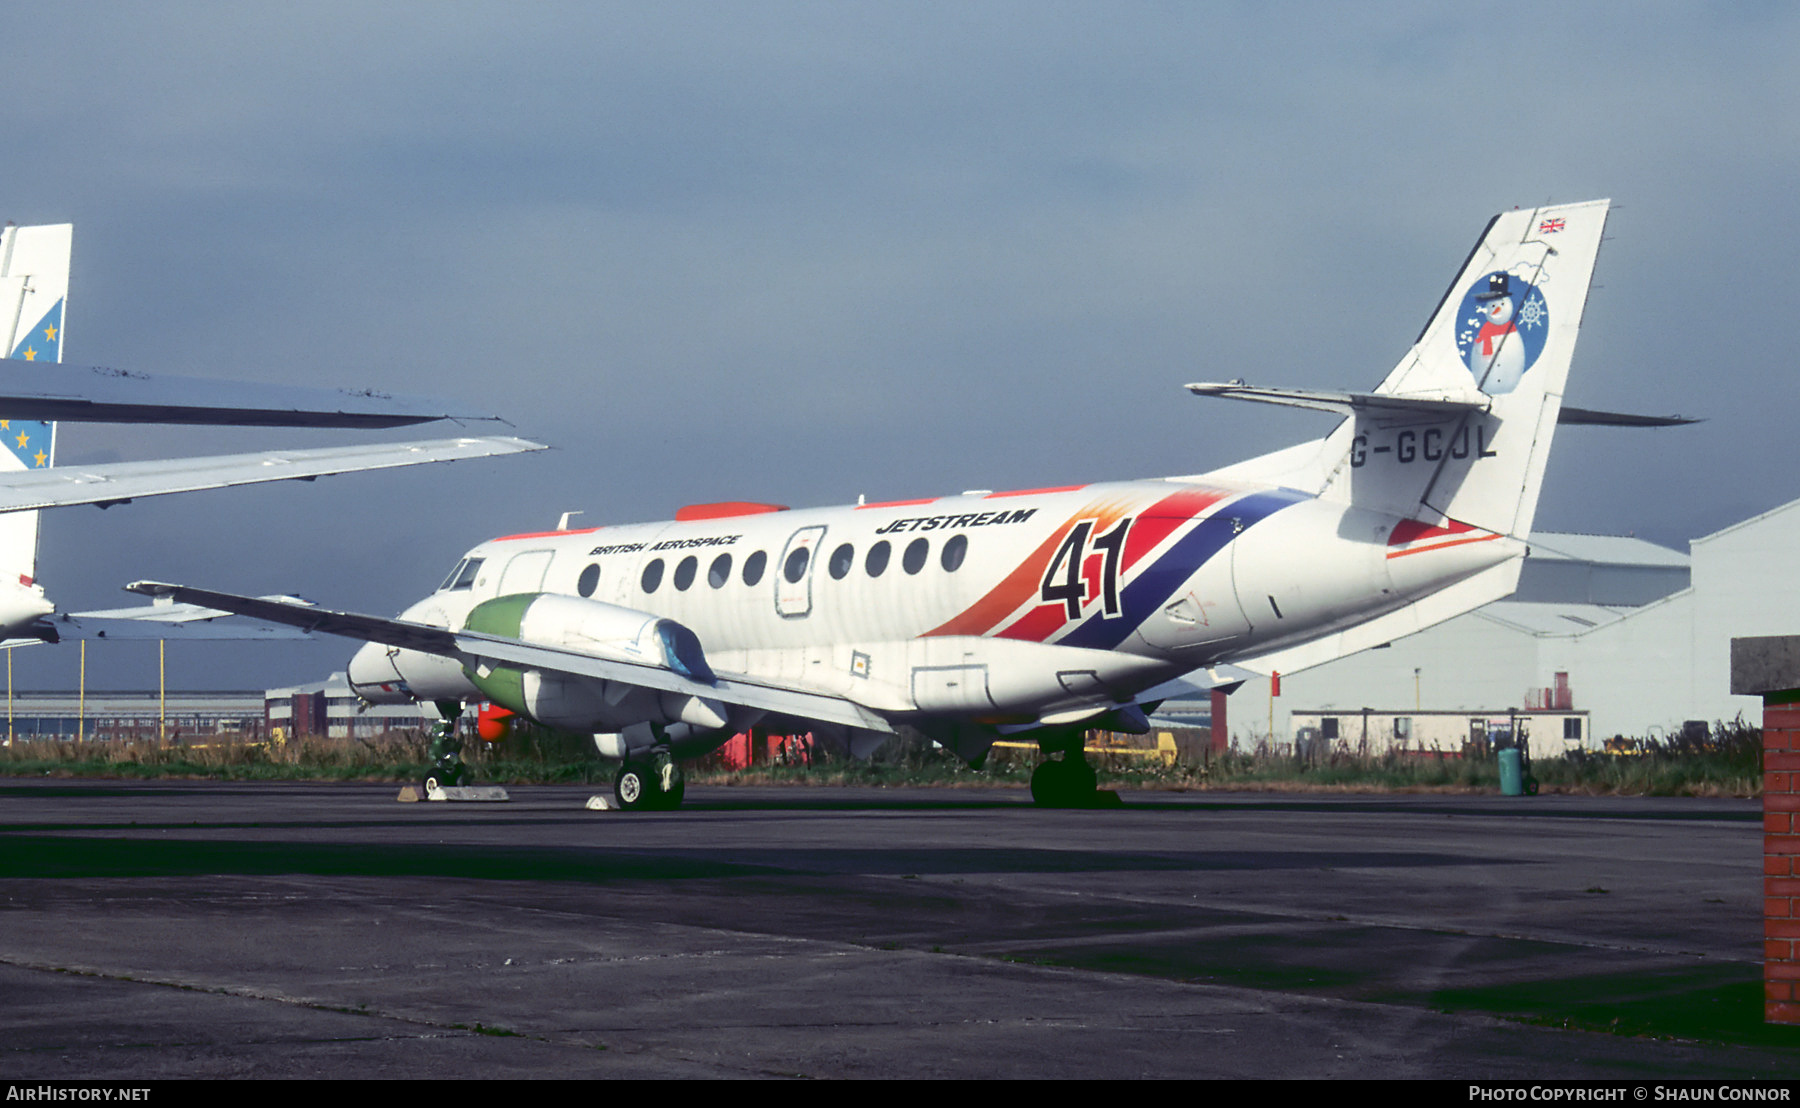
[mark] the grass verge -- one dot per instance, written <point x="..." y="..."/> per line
<point x="1727" y="763"/>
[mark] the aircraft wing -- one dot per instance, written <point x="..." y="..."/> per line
<point x="122" y="482"/>
<point x="97" y="394"/>
<point x="476" y="649"/>
<point x="165" y="611"/>
<point x="79" y="626"/>
<point x="162" y="620"/>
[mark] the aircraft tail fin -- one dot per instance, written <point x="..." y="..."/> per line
<point x="34" y="289"/>
<point x="1459" y="433"/>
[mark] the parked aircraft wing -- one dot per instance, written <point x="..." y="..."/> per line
<point x="96" y="394"/>
<point x="71" y="628"/>
<point x="163" y="610"/>
<point x="122" y="482"/>
<point x="474" y="649"/>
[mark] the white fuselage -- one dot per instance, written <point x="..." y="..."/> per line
<point x="1003" y="608"/>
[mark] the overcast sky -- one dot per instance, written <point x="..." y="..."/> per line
<point x="801" y="252"/>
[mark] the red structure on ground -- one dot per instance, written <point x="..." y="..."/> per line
<point x="1781" y="875"/>
<point x="1769" y="667"/>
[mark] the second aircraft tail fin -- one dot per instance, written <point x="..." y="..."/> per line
<point x="34" y="290"/>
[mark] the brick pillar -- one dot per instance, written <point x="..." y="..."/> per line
<point x="1769" y="666"/>
<point x="1781" y="846"/>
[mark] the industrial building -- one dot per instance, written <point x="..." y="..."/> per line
<point x="134" y="716"/>
<point x="321" y="708"/>
<point x="1544" y="732"/>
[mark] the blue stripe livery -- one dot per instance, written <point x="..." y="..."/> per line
<point x="1155" y="585"/>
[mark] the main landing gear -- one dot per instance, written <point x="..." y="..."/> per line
<point x="1068" y="782"/>
<point x="650" y="783"/>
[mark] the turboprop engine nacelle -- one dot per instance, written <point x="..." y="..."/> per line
<point x="606" y="631"/>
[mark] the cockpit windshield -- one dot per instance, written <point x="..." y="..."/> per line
<point x="463" y="576"/>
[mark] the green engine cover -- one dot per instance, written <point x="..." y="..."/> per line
<point x="501" y="617"/>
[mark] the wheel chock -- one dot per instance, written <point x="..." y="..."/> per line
<point x="600" y="802"/>
<point x="409" y="794"/>
<point x="468" y="792"/>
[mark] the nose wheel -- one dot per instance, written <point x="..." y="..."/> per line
<point x="446" y="779"/>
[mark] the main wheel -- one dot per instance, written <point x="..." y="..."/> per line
<point x="1081" y="781"/>
<point x="633" y="787"/>
<point x="1064" y="784"/>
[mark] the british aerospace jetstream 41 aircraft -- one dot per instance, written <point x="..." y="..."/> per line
<point x="1037" y="613"/>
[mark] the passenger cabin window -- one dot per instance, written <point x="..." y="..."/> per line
<point x="684" y="573"/>
<point x="652" y="575"/>
<point x="463" y="576"/>
<point x="754" y="566"/>
<point x="914" y="559"/>
<point x="841" y="560"/>
<point x="795" y="568"/>
<point x="720" y="572"/>
<point x="877" y="561"/>
<point x="954" y="550"/>
<point x="589" y="580"/>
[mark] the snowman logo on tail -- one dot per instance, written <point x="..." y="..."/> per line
<point x="1501" y="330"/>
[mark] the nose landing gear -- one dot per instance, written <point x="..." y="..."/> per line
<point x="447" y="767"/>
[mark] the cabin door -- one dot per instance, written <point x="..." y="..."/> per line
<point x="793" y="573"/>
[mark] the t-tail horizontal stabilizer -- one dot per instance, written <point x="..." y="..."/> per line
<point x="1363" y="404"/>
<point x="1589" y="417"/>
